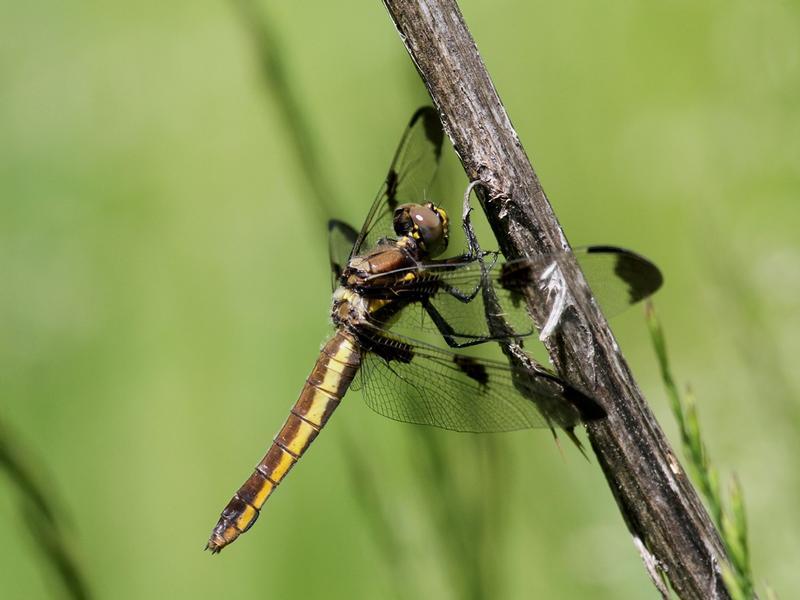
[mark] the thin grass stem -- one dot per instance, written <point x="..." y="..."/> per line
<point x="39" y="513"/>
<point x="730" y="521"/>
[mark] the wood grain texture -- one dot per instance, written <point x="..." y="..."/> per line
<point x="658" y="503"/>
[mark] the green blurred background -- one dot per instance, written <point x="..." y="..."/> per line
<point x="164" y="288"/>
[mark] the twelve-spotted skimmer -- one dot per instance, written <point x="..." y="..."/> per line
<point x="388" y="284"/>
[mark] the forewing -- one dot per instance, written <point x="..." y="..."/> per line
<point x="341" y="238"/>
<point x="450" y="303"/>
<point x="455" y="291"/>
<point x="409" y="177"/>
<point x="618" y="277"/>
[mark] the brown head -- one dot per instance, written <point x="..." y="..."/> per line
<point x="426" y="224"/>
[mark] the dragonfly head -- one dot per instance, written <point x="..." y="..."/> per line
<point x="426" y="223"/>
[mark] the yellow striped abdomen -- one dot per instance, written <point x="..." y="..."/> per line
<point x="336" y="366"/>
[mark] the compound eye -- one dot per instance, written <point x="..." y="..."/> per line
<point x="403" y="221"/>
<point x="431" y="227"/>
<point x="425" y="223"/>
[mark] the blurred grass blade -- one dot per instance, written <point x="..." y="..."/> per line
<point x="54" y="548"/>
<point x="462" y="496"/>
<point x="732" y="523"/>
<point x="769" y="594"/>
<point x="660" y="345"/>
<point x="375" y="508"/>
<point x="736" y="525"/>
<point x="42" y="519"/>
<point x="22" y="478"/>
<point x="278" y="82"/>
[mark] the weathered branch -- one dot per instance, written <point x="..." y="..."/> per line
<point x="658" y="503"/>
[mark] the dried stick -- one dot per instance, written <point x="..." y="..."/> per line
<point x="661" y="509"/>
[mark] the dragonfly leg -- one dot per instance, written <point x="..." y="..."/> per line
<point x="473" y="248"/>
<point x="449" y="334"/>
<point x="474" y="251"/>
<point x="469" y="297"/>
<point x="458" y="294"/>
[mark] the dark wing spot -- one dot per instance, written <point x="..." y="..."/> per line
<point x="641" y="276"/>
<point x="471" y="368"/>
<point x="600" y="249"/>
<point x="514" y="277"/>
<point x="347" y="231"/>
<point x="588" y="408"/>
<point x="391" y="188"/>
<point x="341" y="238"/>
<point x="336" y="269"/>
<point x="433" y="128"/>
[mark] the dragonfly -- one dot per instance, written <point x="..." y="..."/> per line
<point x="391" y="289"/>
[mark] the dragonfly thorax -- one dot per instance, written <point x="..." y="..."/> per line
<point x="427" y="224"/>
<point x="380" y="265"/>
<point x="349" y="307"/>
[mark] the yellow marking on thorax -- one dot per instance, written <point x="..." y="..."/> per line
<point x="344" y="294"/>
<point x="377" y="304"/>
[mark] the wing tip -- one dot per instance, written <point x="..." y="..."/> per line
<point x="588" y="408"/>
<point x="641" y="274"/>
<point x="432" y="124"/>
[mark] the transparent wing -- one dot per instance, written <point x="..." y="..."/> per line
<point x="409" y="177"/>
<point x="634" y="277"/>
<point x="447" y="297"/>
<point x="618" y="277"/>
<point x="409" y="381"/>
<point x="341" y="238"/>
<point x="450" y="303"/>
